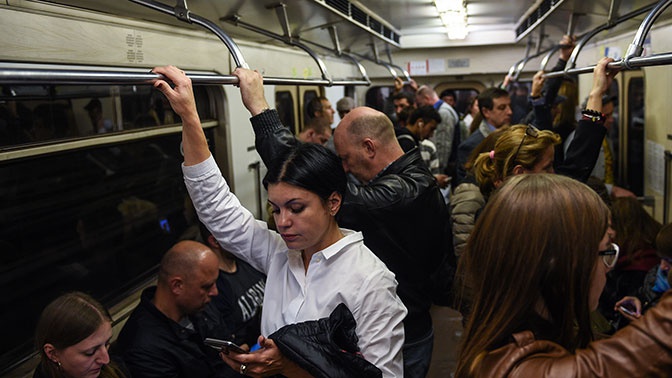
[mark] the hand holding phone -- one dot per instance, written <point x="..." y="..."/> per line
<point x="224" y="344"/>
<point x="628" y="310"/>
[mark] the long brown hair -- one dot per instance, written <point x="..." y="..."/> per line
<point x="533" y="247"/>
<point x="66" y="321"/>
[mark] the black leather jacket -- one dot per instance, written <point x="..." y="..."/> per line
<point x="153" y="345"/>
<point x="327" y="347"/>
<point x="401" y="213"/>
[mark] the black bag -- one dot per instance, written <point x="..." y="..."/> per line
<point x="326" y="348"/>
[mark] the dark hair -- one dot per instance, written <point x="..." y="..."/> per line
<point x="66" y="321"/>
<point x="535" y="243"/>
<point x="314" y="106"/>
<point x="635" y="228"/>
<point x="664" y="241"/>
<point x="448" y="92"/>
<point x="485" y="98"/>
<point x="427" y="113"/>
<point x="410" y="97"/>
<point x="309" y="166"/>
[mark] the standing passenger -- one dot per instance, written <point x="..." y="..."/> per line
<point x="538" y="256"/>
<point x="311" y="264"/>
<point x="73" y="335"/>
<point x="398" y="208"/>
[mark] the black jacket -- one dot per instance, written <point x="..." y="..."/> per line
<point x="153" y="345"/>
<point x="326" y="348"/>
<point x="401" y="214"/>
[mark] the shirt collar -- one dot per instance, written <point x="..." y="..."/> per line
<point x="350" y="237"/>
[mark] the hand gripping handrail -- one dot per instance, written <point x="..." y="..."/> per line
<point x="571" y="63"/>
<point x="182" y="13"/>
<point x="632" y="59"/>
<point x="63" y="75"/>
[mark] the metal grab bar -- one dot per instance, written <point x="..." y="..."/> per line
<point x="235" y="19"/>
<point x="62" y="76"/>
<point x="571" y="63"/>
<point x="635" y="49"/>
<point x="635" y="62"/>
<point x="183" y="14"/>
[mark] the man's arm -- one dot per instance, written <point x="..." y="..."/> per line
<point x="272" y="139"/>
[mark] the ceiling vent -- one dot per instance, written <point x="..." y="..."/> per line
<point x="535" y="16"/>
<point x="363" y="18"/>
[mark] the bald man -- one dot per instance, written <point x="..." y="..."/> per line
<point x="164" y="335"/>
<point x="398" y="206"/>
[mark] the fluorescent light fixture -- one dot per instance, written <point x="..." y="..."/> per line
<point x="453" y="14"/>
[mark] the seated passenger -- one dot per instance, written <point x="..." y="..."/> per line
<point x="73" y="335"/>
<point x="164" y="335"/>
<point x="636" y="232"/>
<point x="240" y="294"/>
<point x="538" y="256"/>
<point x="655" y="282"/>
<point x="311" y="264"/>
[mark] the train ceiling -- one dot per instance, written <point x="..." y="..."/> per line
<point x="370" y="27"/>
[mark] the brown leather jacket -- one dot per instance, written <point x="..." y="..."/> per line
<point x="642" y="349"/>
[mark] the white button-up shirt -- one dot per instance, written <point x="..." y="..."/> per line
<point x="345" y="272"/>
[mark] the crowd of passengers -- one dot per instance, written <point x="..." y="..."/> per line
<point x="556" y="271"/>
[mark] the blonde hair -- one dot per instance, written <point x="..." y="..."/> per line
<point x="492" y="167"/>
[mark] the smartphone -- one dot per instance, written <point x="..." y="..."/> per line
<point x="221" y="344"/>
<point x="628" y="310"/>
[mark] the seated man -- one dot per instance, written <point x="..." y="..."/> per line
<point x="164" y="335"/>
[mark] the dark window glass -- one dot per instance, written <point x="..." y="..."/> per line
<point x="635" y="135"/>
<point x="95" y="219"/>
<point x="284" y="103"/>
<point x="308" y="96"/>
<point x="39" y="114"/>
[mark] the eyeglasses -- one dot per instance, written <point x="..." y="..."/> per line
<point x="529" y="130"/>
<point x="610" y="256"/>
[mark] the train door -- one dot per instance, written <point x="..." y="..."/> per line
<point x="287" y="104"/>
<point x="630" y="130"/>
<point x="291" y="102"/>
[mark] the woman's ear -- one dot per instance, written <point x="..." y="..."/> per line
<point x="334" y="203"/>
<point x="518" y="169"/>
<point x="51" y="352"/>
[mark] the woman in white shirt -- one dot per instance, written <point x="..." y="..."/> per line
<point x="311" y="264"/>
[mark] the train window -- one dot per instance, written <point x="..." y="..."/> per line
<point x="284" y="103"/>
<point x="376" y="97"/>
<point x="308" y="96"/>
<point x="635" y="130"/>
<point x="45" y="114"/>
<point x="96" y="218"/>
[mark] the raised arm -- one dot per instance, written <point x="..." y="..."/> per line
<point x="181" y="99"/>
<point x="585" y="148"/>
<point x="272" y="139"/>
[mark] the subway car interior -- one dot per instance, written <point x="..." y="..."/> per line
<point x="91" y="187"/>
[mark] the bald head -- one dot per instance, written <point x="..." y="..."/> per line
<point x="426" y="96"/>
<point x="184" y="258"/>
<point x="366" y="143"/>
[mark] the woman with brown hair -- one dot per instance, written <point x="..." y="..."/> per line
<point x="73" y="336"/>
<point x="538" y="256"/>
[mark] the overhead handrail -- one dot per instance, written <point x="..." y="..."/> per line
<point x="401" y="69"/>
<point x="102" y="77"/>
<point x="286" y="38"/>
<point x="632" y="59"/>
<point x="182" y="13"/>
<point x="514" y="68"/>
<point x="634" y="62"/>
<point x="636" y="47"/>
<point x="571" y="63"/>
